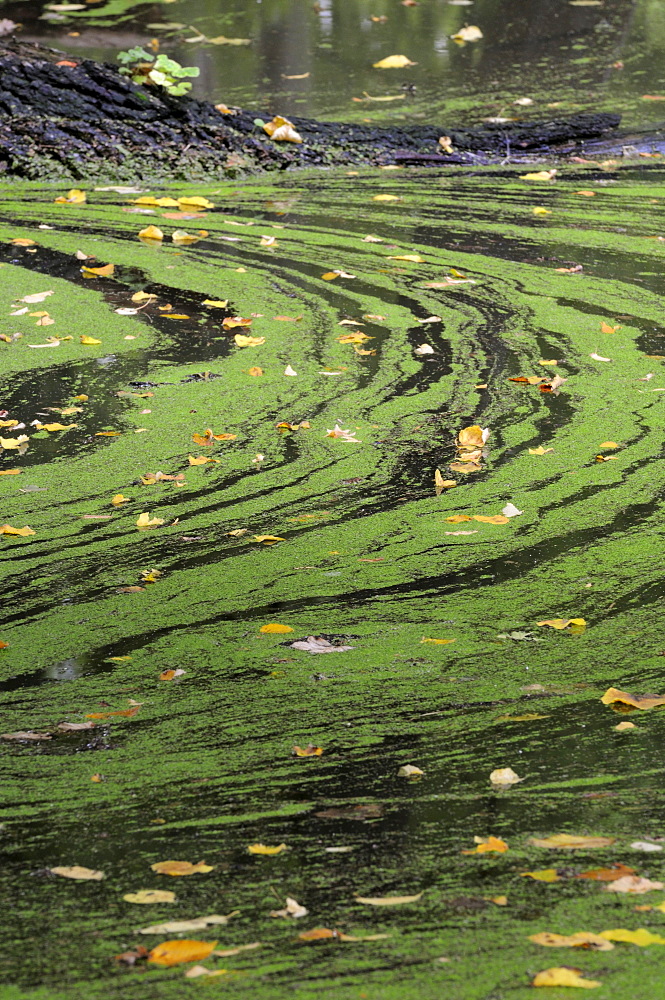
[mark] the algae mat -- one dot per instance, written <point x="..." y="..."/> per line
<point x="341" y="536"/>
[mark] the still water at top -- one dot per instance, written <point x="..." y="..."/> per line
<point x="316" y="59"/>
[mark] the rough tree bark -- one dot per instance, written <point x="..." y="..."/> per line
<point x="70" y="118"/>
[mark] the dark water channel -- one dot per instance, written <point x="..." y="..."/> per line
<point x="450" y="668"/>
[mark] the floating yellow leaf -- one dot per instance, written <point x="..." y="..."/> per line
<point x="542" y="875"/>
<point x="181" y="236"/>
<point x="564" y="977"/>
<point x="78" y="872"/>
<point x="410" y="771"/>
<point x="623" y="726"/>
<point x="354" y="338"/>
<point x="539" y="210"/>
<point x="494" y="519"/>
<point x="181" y="868"/>
<point x="539" y="450"/>
<point x="230" y="322"/>
<point x="393" y="62"/>
<point x="539" y="175"/>
<point x="201" y="460"/>
<point x="216" y="303"/>
<point x="177" y="952"/>
<point x="150" y="896"/>
<point x="414" y="257"/>
<point x="268" y="538"/>
<point x="641" y="937"/>
<point x="614" y="696"/>
<point x="387" y="900"/>
<point x="255" y="371"/>
<point x="19" y="443"/>
<point x="55" y="427"/>
<point x="608" y="444"/>
<point x="570" y="842"/>
<point x="22" y="241"/>
<point x="263" y="849"/>
<point x="195" y="201"/>
<point x="11" y="472"/>
<point x="73" y="197"/>
<point x="489" y="844"/>
<point x="98" y="272"/>
<point x="151" y="233"/>
<point x="504" y="776"/>
<point x="119" y="499"/>
<point x="85" y="339"/>
<point x="156" y="202"/>
<point x="441" y="483"/>
<point x="281" y="130"/>
<point x="242" y="341"/>
<point x="6" y="529"/>
<point x="561" y="623"/>
<point x="438" y="642"/>
<point x="583" y="939"/>
<point x="145" y="521"/>
<point x="386" y="197"/>
<point x="309" y="751"/>
<point x="471" y="33"/>
<point x="275" y="627"/>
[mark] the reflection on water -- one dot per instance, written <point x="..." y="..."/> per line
<point x="316" y="58"/>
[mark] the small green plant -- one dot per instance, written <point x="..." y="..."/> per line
<point x="159" y="70"/>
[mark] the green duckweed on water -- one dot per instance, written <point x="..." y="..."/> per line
<point x="367" y="559"/>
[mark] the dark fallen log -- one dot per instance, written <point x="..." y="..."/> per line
<point x="66" y="118"/>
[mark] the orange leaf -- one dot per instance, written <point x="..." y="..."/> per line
<point x="276" y="628"/>
<point x="490" y="844"/>
<point x="607" y="874"/>
<point x="317" y="934"/>
<point x="126" y="712"/>
<point x="309" y="751"/>
<point x="177" y="952"/>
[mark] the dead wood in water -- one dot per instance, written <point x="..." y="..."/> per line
<point x="73" y="118"/>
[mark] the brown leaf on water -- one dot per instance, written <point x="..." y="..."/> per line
<point x="583" y="939"/>
<point x="607" y="874"/>
<point x="623" y="726"/>
<point x="231" y="322"/>
<point x="29" y="734"/>
<point x="571" y="842"/>
<point x="531" y="379"/>
<point x="309" y="751"/>
<point x="74" y="727"/>
<point x="78" y="872"/>
<point x="181" y="868"/>
<point x="488" y="844"/>
<point x="372" y="810"/>
<point x="132" y="956"/>
<point x="613" y="696"/>
<point x="177" y="952"/>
